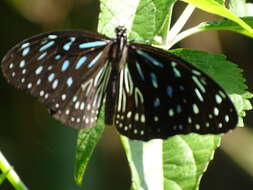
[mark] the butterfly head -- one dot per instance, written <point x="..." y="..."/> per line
<point x="121" y="32"/>
<point x="120" y="43"/>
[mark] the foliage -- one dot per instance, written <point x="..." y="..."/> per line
<point x="180" y="161"/>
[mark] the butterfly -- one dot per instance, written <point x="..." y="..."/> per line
<point x="148" y="92"/>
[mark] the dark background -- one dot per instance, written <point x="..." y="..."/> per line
<point x="42" y="151"/>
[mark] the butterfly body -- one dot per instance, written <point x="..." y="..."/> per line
<point x="148" y="92"/>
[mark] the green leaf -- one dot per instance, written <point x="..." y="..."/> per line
<point x="238" y="7"/>
<point x="243" y="104"/>
<point x="86" y="142"/>
<point x="220" y="24"/>
<point x="222" y="2"/>
<point x="249" y="7"/>
<point x="215" y="7"/>
<point x="224" y="24"/>
<point x="144" y="19"/>
<point x="185" y="158"/>
<point x="156" y="24"/>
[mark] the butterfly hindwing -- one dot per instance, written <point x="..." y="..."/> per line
<point x="53" y="67"/>
<point x="129" y="117"/>
<point x="169" y="96"/>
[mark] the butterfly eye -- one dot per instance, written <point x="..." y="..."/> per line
<point x="148" y="92"/>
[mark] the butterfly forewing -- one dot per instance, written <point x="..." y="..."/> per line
<point x="169" y="97"/>
<point x="65" y="70"/>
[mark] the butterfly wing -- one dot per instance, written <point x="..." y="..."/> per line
<point x="162" y="95"/>
<point x="67" y="71"/>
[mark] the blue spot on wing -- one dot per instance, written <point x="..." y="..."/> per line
<point x="25" y="51"/>
<point x="157" y="102"/>
<point x="92" y="44"/>
<point x="47" y="45"/>
<point x="65" y="65"/>
<point x="150" y="58"/>
<point x="66" y="47"/>
<point x="52" y="36"/>
<point x="72" y="39"/>
<point x="39" y="70"/>
<point x="51" y="77"/>
<point x="80" y="62"/>
<point x="25" y="45"/>
<point x="179" y="109"/>
<point x="42" y="56"/>
<point x="169" y="91"/>
<point x="93" y="61"/>
<point x="57" y="57"/>
<point x="69" y="81"/>
<point x="140" y="71"/>
<point x="154" y="80"/>
<point x="22" y="63"/>
<point x="50" y="67"/>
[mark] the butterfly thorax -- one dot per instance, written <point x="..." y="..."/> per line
<point x="118" y="52"/>
<point x="119" y="48"/>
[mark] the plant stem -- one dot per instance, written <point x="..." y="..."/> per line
<point x="177" y="27"/>
<point x="182" y="36"/>
<point x="11" y="174"/>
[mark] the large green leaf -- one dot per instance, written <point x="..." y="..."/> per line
<point x="185" y="159"/>
<point x="144" y="19"/>
<point x="86" y="142"/>
<point x="215" y="7"/>
<point x="224" y="24"/>
<point x="220" y="24"/>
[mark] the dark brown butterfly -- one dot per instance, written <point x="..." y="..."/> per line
<point x="148" y="92"/>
